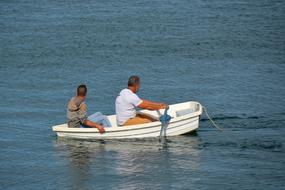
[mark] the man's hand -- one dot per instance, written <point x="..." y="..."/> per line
<point x="165" y="106"/>
<point x="94" y="125"/>
<point x="101" y="129"/>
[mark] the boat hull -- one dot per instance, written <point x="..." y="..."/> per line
<point x="177" y="126"/>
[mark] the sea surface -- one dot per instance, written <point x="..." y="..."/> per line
<point x="227" y="54"/>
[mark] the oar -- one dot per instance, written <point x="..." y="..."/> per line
<point x="164" y="119"/>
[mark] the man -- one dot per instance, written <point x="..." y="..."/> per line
<point x="77" y="111"/>
<point x="127" y="101"/>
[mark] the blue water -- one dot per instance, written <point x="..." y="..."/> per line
<point x="228" y="55"/>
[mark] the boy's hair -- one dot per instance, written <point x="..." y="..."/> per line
<point x="81" y="90"/>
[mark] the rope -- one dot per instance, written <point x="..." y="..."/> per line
<point x="215" y="125"/>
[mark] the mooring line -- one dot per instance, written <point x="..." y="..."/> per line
<point x="215" y="125"/>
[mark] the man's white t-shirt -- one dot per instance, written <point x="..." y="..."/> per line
<point x="126" y="103"/>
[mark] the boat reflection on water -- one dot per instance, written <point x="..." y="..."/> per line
<point x="128" y="163"/>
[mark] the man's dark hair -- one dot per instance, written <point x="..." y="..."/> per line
<point x="81" y="90"/>
<point x="133" y="80"/>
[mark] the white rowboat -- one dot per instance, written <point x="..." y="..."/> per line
<point x="185" y="119"/>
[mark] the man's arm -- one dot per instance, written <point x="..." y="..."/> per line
<point x="149" y="105"/>
<point x="85" y="121"/>
<point x="94" y="125"/>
